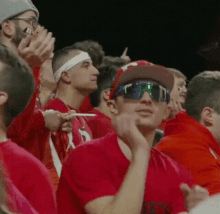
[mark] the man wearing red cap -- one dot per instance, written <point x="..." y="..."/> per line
<point x="121" y="173"/>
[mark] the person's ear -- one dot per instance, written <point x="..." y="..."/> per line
<point x="3" y="98"/>
<point x="66" y="77"/>
<point x="113" y="106"/>
<point x="8" y="28"/>
<point x="105" y="94"/>
<point x="207" y="116"/>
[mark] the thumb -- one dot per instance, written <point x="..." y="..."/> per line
<point x="124" y="53"/>
<point x="24" y="42"/>
<point x="185" y="189"/>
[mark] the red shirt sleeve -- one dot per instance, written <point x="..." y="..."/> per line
<point x="204" y="167"/>
<point x="75" y="189"/>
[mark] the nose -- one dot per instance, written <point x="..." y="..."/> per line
<point x="146" y="98"/>
<point x="95" y="71"/>
<point x="184" y="89"/>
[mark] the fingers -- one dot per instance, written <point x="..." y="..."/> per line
<point x="41" y="35"/>
<point x="48" y="50"/>
<point x="24" y="43"/>
<point x="45" y="43"/>
<point x="185" y="189"/>
<point x="124" y="53"/>
<point x="67" y="127"/>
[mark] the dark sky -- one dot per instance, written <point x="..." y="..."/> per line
<point x="161" y="31"/>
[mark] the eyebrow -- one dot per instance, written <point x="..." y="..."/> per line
<point x="83" y="62"/>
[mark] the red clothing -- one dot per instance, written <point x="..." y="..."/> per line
<point x="16" y="202"/>
<point x="28" y="129"/>
<point x="102" y="171"/>
<point x="100" y="124"/>
<point x="162" y="126"/>
<point x="192" y="145"/>
<point x="86" y="106"/>
<point x="30" y="176"/>
<point x="62" y="144"/>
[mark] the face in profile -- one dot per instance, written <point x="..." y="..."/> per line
<point x="179" y="90"/>
<point x="84" y="77"/>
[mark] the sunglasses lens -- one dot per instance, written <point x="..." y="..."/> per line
<point x="135" y="91"/>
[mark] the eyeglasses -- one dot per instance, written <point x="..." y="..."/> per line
<point x="136" y="90"/>
<point x="31" y="20"/>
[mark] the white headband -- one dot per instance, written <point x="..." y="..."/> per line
<point x="83" y="56"/>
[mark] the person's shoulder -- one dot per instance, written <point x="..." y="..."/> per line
<point x="176" y="143"/>
<point x="97" y="148"/>
<point x="18" y="154"/>
<point x="55" y="104"/>
<point x="166" y="161"/>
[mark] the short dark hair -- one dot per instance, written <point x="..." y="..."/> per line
<point x="105" y="78"/>
<point x="177" y="73"/>
<point x="113" y="61"/>
<point x="59" y="55"/>
<point x="93" y="48"/>
<point x="203" y="91"/>
<point x="16" y="79"/>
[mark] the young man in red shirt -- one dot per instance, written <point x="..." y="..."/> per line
<point x="76" y="78"/>
<point x="192" y="138"/>
<point x="27" y="173"/>
<point x="120" y="173"/>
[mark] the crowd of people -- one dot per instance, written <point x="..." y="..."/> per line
<point x="82" y="132"/>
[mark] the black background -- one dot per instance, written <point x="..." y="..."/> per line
<point x="165" y="32"/>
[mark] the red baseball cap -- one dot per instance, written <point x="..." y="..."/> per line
<point x="142" y="70"/>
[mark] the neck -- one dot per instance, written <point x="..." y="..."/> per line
<point x="10" y="45"/>
<point x="3" y="131"/>
<point x="104" y="109"/>
<point x="149" y="135"/>
<point x="70" y="97"/>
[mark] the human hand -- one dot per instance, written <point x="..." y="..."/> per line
<point x="175" y="107"/>
<point x="37" y="48"/>
<point x="193" y="196"/>
<point x="55" y="120"/>
<point x="128" y="132"/>
<point x="125" y="57"/>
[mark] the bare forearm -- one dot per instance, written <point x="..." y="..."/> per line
<point x="44" y="97"/>
<point x="129" y="199"/>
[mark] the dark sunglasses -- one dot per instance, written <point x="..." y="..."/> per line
<point x="136" y="90"/>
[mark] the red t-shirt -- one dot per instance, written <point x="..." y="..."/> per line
<point x="193" y="146"/>
<point x="62" y="144"/>
<point x="102" y="171"/>
<point x="100" y="124"/>
<point x="86" y="106"/>
<point x="30" y="176"/>
<point x="16" y="202"/>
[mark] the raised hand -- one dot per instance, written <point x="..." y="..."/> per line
<point x="125" y="57"/>
<point x="193" y="196"/>
<point x="175" y="107"/>
<point x="128" y="132"/>
<point x="37" y="48"/>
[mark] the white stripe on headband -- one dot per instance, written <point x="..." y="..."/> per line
<point x="83" y="56"/>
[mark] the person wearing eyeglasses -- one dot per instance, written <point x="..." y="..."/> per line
<point x="32" y="128"/>
<point x="122" y="173"/>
